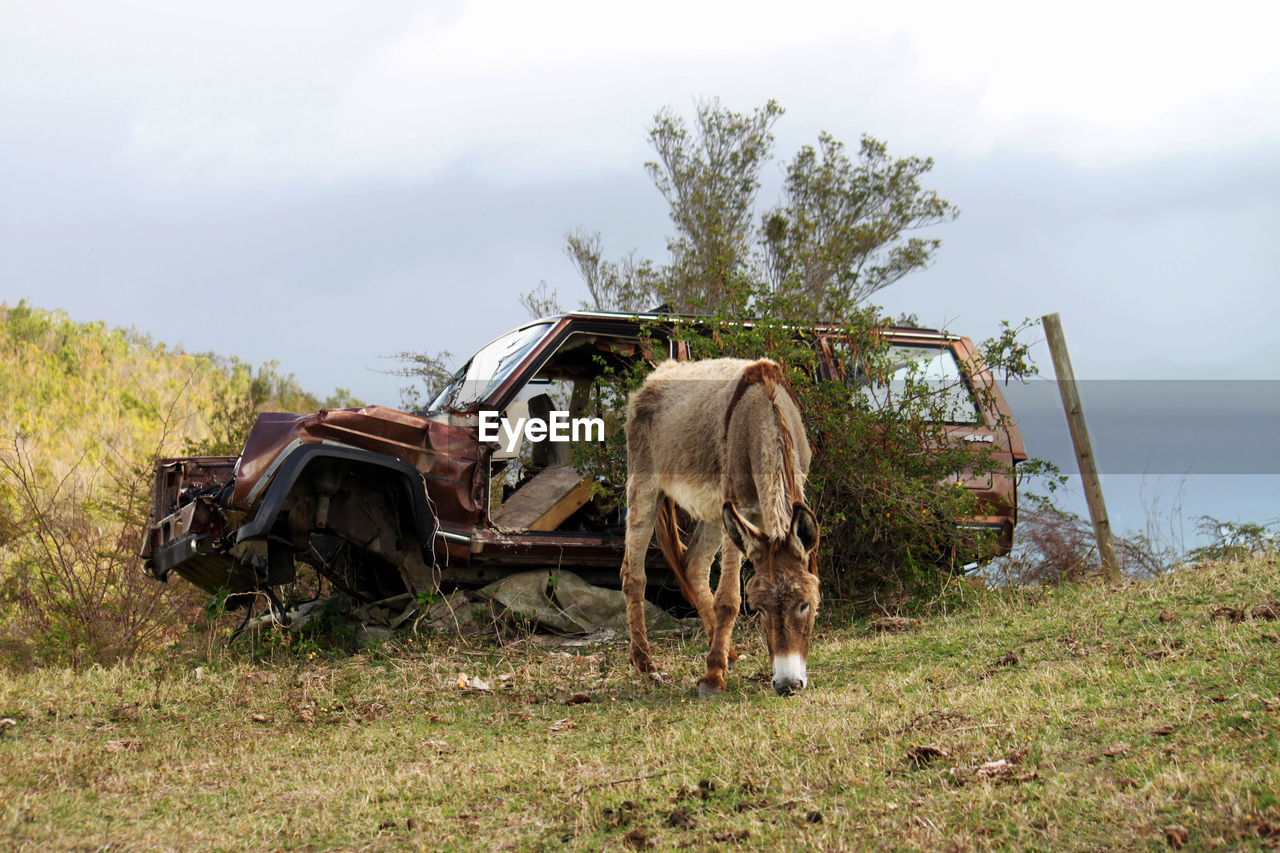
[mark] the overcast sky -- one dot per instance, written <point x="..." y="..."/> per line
<point x="328" y="183"/>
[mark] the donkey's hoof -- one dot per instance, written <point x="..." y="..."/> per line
<point x="706" y="690"/>
<point x="640" y="660"/>
<point x="656" y="677"/>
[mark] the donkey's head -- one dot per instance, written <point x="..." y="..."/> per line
<point x="784" y="589"/>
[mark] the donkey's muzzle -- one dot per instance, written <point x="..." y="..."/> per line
<point x="786" y="688"/>
<point x="789" y="674"/>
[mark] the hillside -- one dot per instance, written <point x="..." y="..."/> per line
<point x="86" y="410"/>
<point x="82" y="388"/>
<point x="1065" y="718"/>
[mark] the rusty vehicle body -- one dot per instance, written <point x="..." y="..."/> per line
<point x="382" y="502"/>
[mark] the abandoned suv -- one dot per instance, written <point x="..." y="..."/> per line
<point x="383" y="502"/>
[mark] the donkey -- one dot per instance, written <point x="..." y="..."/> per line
<point x="723" y="439"/>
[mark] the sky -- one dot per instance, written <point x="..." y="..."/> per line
<point x="328" y="184"/>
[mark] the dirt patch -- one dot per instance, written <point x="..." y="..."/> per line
<point x="732" y="837"/>
<point x="638" y="839"/>
<point x="1117" y="749"/>
<point x="932" y="721"/>
<point x="921" y="756"/>
<point x="1011" y="658"/>
<point x="1269" y="610"/>
<point x="1176" y="836"/>
<point x="1228" y="613"/>
<point x="893" y="624"/>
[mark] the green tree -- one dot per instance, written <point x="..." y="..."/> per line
<point x="627" y="285"/>
<point x="710" y="177"/>
<point x="841" y="231"/>
<point x="427" y="374"/>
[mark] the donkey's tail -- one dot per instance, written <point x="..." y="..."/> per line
<point x="671" y="546"/>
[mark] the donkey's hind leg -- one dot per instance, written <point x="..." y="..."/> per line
<point x="643" y="499"/>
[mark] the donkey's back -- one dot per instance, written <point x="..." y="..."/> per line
<point x="725" y="429"/>
<point x="675" y="431"/>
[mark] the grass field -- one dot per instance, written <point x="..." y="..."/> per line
<point x="1070" y="718"/>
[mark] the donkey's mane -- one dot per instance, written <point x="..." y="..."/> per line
<point x="768" y="375"/>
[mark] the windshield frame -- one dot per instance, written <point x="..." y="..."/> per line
<point x="492" y="364"/>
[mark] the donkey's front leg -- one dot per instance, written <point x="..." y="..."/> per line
<point x="642" y="503"/>
<point x="728" y="600"/>
<point x="633" y="584"/>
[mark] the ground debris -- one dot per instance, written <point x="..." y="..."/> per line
<point x="923" y="755"/>
<point x="1011" y="658"/>
<point x="681" y="819"/>
<point x="1168" y="616"/>
<point x="132" y="745"/>
<point x="1267" y="825"/>
<point x="1266" y="610"/>
<point x="731" y="837"/>
<point x="1074" y="646"/>
<point x="1229" y="613"/>
<point x="622" y="815"/>
<point x="472" y="682"/>
<point x="932" y="721"/>
<point x="1176" y="835"/>
<point x="638" y="839"/>
<point x="1117" y="749"/>
<point x="1004" y="770"/>
<point x="893" y="624"/>
<point x="578" y="699"/>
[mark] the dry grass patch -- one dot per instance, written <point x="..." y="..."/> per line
<point x="1071" y="718"/>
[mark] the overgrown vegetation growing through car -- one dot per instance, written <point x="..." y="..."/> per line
<point x="883" y="481"/>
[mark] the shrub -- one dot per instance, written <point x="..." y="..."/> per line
<point x="1234" y="540"/>
<point x="73" y="586"/>
<point x="880" y="475"/>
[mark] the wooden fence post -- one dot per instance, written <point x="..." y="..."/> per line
<point x="1084" y="450"/>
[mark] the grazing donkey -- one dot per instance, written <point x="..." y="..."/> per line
<point x="724" y="440"/>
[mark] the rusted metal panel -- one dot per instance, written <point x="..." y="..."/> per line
<point x="176" y="480"/>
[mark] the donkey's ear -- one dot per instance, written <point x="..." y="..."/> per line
<point x="803" y="536"/>
<point x="749" y="538"/>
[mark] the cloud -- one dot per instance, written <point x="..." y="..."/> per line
<point x="242" y="94"/>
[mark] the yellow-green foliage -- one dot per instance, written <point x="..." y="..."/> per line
<point x="86" y="409"/>
<point x="85" y="390"/>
